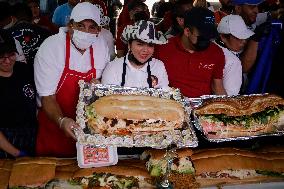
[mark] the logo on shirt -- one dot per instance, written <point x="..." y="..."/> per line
<point x="29" y="91"/>
<point x="205" y="66"/>
<point x="154" y="80"/>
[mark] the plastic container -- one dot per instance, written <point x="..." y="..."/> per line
<point x="89" y="156"/>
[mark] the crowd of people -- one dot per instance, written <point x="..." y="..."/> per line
<point x="233" y="50"/>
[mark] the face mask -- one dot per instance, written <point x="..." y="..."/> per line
<point x="83" y="40"/>
<point x="201" y="44"/>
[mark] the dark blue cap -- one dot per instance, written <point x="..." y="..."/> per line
<point x="203" y="20"/>
<point x="246" y="2"/>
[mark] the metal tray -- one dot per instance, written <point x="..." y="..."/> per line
<point x="90" y="92"/>
<point x="196" y="102"/>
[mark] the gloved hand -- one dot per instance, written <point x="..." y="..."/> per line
<point x="260" y="31"/>
<point x="22" y="153"/>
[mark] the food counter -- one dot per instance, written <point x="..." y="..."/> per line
<point x="204" y="131"/>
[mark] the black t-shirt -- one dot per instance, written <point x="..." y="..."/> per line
<point x="17" y="98"/>
<point x="30" y="37"/>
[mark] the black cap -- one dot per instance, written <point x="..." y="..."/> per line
<point x="7" y="42"/>
<point x="203" y="20"/>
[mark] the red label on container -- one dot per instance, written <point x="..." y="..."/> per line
<point x="95" y="155"/>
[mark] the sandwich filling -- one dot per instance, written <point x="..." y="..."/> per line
<point x="271" y="116"/>
<point x="181" y="165"/>
<point x="111" y="181"/>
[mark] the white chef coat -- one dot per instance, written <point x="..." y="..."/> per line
<point x="50" y="61"/>
<point x="108" y="37"/>
<point x="135" y="77"/>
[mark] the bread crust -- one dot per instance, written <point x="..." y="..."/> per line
<point x="67" y="161"/>
<point x="37" y="171"/>
<point x="238" y="106"/>
<point x="4" y="178"/>
<point x="138" y="107"/>
<point x="236" y="162"/>
<point x="216" y="152"/>
<point x="124" y="115"/>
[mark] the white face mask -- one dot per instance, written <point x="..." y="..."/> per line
<point x="83" y="40"/>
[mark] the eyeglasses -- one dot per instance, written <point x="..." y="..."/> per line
<point x="10" y="56"/>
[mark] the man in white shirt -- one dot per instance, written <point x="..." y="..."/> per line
<point x="233" y="37"/>
<point x="75" y="53"/>
<point x="138" y="68"/>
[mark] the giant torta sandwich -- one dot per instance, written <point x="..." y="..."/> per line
<point x="235" y="166"/>
<point x="124" y="115"/>
<point x="241" y="116"/>
<point x="112" y="177"/>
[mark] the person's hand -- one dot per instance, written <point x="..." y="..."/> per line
<point x="261" y="31"/>
<point x="68" y="125"/>
<point x="95" y="81"/>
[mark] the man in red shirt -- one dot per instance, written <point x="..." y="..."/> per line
<point x="193" y="63"/>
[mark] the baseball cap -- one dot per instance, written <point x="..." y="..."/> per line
<point x="203" y="20"/>
<point x="7" y="42"/>
<point x="247" y="2"/>
<point x="235" y="25"/>
<point x="86" y="10"/>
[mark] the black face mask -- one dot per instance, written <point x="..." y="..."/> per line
<point x="131" y="58"/>
<point x="201" y="44"/>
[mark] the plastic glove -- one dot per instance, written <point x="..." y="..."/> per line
<point x="22" y="154"/>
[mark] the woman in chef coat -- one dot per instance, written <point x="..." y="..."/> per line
<point x="138" y="68"/>
<point x="75" y="53"/>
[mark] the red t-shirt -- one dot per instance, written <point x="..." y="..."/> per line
<point x="192" y="73"/>
<point x="218" y="16"/>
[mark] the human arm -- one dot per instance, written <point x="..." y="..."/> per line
<point x="218" y="87"/>
<point x="248" y="56"/>
<point x="163" y="81"/>
<point x="6" y="146"/>
<point x="53" y="111"/>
